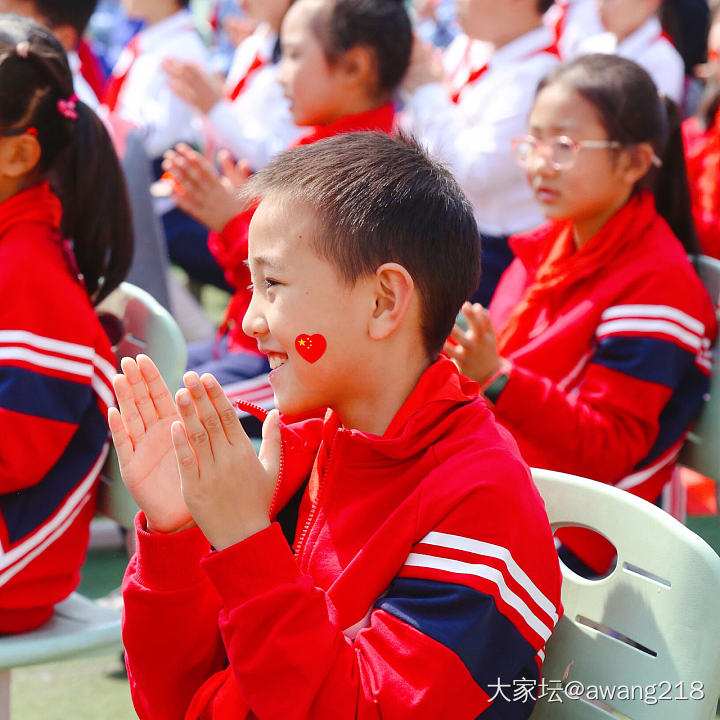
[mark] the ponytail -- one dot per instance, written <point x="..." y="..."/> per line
<point x="96" y="211"/>
<point x="672" y="193"/>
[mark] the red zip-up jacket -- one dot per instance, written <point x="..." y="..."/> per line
<point x="56" y="366"/>
<point x="423" y="577"/>
<point x="609" y="377"/>
<point x="230" y="247"/>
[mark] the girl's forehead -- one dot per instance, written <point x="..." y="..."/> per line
<point x="559" y="106"/>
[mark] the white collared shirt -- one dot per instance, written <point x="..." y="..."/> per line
<point x="146" y="99"/>
<point x="80" y="84"/>
<point x="257" y="124"/>
<point x="650" y="49"/>
<point x="580" y="21"/>
<point x="474" y="137"/>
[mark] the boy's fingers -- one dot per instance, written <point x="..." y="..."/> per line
<point x="144" y="404"/>
<point x="455" y="352"/>
<point x="271" y="447"/>
<point x="134" y="424"/>
<point x="159" y="392"/>
<point x="226" y="412"/>
<point x="186" y="461"/>
<point x="195" y="429"/>
<point x="120" y="437"/>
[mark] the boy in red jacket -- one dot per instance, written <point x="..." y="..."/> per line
<point x="392" y="559"/>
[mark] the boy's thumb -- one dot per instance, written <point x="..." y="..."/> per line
<point x="271" y="444"/>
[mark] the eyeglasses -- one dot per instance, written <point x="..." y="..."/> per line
<point x="560" y="152"/>
<point x="14" y="132"/>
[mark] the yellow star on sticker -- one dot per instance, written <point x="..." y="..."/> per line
<point x="301" y="342"/>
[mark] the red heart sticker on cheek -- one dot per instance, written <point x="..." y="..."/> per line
<point x="310" y="347"/>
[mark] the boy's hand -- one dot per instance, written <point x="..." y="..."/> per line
<point x="191" y="83"/>
<point x="208" y="196"/>
<point x="141" y="433"/>
<point x="475" y="353"/>
<point x="227" y="488"/>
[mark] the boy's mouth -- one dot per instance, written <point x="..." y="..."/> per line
<point x="276" y="360"/>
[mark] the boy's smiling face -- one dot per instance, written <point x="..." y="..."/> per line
<point x="297" y="293"/>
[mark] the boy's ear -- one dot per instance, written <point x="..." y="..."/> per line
<point x="358" y="64"/>
<point x="19" y="155"/>
<point x="394" y="290"/>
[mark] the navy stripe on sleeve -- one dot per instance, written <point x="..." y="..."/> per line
<point x="468" y="623"/>
<point x="645" y="358"/>
<point x="26" y="510"/>
<point x="32" y="393"/>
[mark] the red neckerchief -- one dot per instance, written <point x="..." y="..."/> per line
<point x="380" y="119"/>
<point x="120" y="72"/>
<point x="476" y="74"/>
<point x="560" y="266"/>
<point x="257" y="63"/>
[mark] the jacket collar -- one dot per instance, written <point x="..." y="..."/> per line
<point x="37" y="204"/>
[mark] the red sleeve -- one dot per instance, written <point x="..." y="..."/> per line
<point x="51" y="368"/>
<point x="170" y="630"/>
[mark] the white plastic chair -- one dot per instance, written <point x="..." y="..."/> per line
<point x="653" y="622"/>
<point x="81" y="626"/>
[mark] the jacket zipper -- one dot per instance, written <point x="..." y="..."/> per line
<point x="260" y="412"/>
<point x="300" y="543"/>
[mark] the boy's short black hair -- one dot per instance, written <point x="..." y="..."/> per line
<point x="380" y="199"/>
<point x="75" y="13"/>
<point x="382" y="26"/>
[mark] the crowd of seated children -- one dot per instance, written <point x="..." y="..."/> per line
<point x="56" y="362"/>
<point x="138" y="94"/>
<point x="471" y="125"/>
<point x="390" y="560"/>
<point x="67" y="21"/>
<point x="249" y="115"/>
<point x="596" y="348"/>
<point x="341" y="63"/>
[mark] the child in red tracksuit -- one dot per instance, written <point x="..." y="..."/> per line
<point x="341" y="62"/>
<point x="604" y="330"/>
<point x="391" y="560"/>
<point x="56" y="363"/>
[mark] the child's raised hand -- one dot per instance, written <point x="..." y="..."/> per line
<point x="141" y="433"/>
<point x="208" y="196"/>
<point x="227" y="488"/>
<point x="191" y="83"/>
<point x="475" y="353"/>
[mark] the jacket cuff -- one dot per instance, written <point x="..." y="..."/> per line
<point x="251" y="567"/>
<point x="168" y="562"/>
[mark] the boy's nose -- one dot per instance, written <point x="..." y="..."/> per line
<point x="254" y="323"/>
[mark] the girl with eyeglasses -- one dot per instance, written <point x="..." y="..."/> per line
<point x="595" y="351"/>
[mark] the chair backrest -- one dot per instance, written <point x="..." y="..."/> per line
<point x="150" y="263"/>
<point x="701" y="451"/>
<point x="145" y="327"/>
<point x="647" y="635"/>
